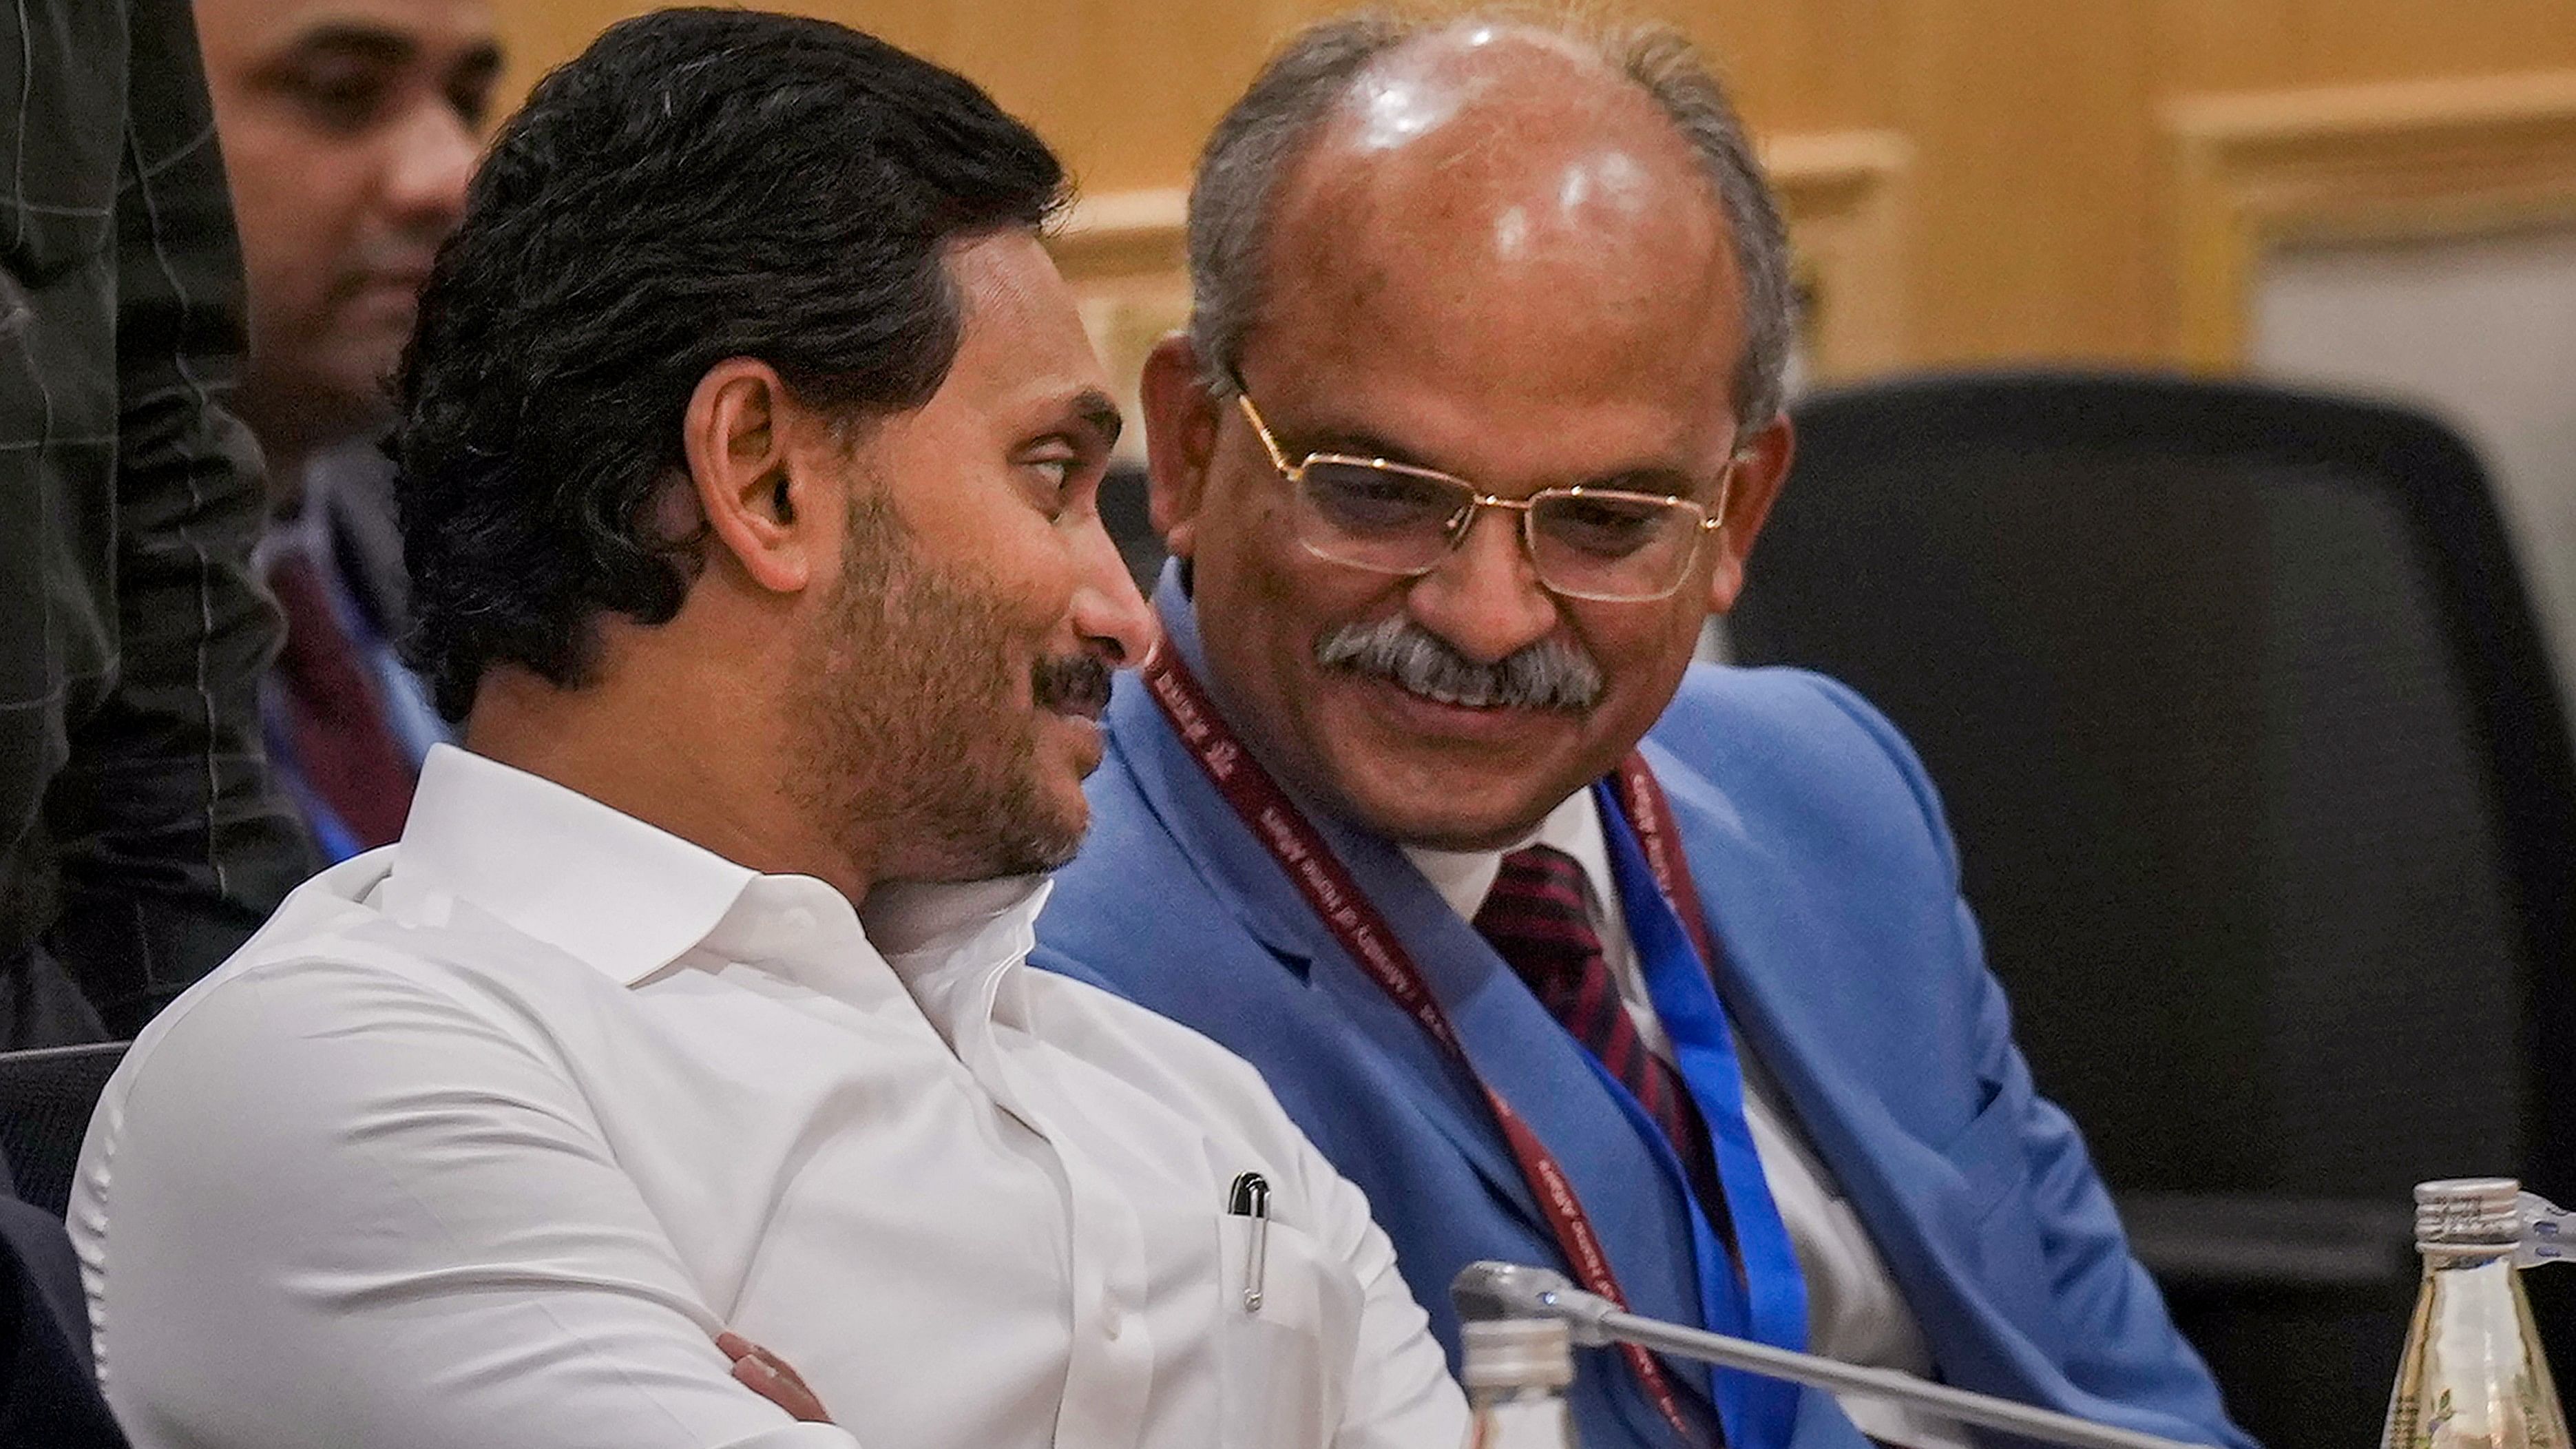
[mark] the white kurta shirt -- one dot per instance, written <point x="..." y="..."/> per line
<point x="486" y="1133"/>
<point x="1854" y="1310"/>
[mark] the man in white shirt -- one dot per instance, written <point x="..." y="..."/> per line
<point x="749" y="459"/>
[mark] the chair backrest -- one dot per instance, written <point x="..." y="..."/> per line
<point x="46" y="1097"/>
<point x="2264" y="796"/>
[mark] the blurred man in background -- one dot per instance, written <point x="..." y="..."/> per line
<point x="349" y="130"/>
<point x="1424" y="810"/>
<point x="139" y="842"/>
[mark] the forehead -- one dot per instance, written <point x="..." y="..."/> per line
<point x="1520" y="221"/>
<point x="1022" y="341"/>
<point x="242" y="31"/>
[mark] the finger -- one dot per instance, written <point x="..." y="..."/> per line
<point x="734" y="1345"/>
<point x="795" y="1398"/>
<point x="781" y="1367"/>
<point x="758" y="1376"/>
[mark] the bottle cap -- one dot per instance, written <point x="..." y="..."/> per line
<point x="1514" y="1353"/>
<point x="2468" y="1212"/>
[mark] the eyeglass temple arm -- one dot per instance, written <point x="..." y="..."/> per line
<point x="1261" y="430"/>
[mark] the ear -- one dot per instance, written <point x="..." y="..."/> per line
<point x="1759" y="470"/>
<point x="1181" y="423"/>
<point x="736" y="437"/>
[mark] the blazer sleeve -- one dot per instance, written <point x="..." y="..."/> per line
<point x="171" y="847"/>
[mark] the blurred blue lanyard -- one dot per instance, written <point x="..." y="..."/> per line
<point x="1768" y="1302"/>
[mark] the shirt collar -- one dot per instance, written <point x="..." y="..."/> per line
<point x="630" y="898"/>
<point x="554" y="864"/>
<point x="1464" y="877"/>
<point x="960" y="948"/>
<point x="908" y="919"/>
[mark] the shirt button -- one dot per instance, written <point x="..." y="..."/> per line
<point x="1113" y="1319"/>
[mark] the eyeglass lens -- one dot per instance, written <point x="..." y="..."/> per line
<point x="1586" y="544"/>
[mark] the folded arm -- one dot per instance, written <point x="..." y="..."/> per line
<point x="338" y="1207"/>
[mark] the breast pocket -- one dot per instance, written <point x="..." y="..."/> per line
<point x="1286" y="1363"/>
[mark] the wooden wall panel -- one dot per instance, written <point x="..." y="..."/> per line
<point x="2043" y="210"/>
<point x="2029" y="166"/>
<point x="2410" y="160"/>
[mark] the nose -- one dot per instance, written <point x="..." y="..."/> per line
<point x="1111" y="616"/>
<point x="433" y="159"/>
<point x="1485" y="598"/>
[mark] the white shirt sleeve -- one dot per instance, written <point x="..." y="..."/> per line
<point x="1401" y="1395"/>
<point x="362" y="1211"/>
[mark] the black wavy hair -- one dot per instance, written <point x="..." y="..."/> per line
<point x="697" y="185"/>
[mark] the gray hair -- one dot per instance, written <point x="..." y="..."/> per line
<point x="1269" y="128"/>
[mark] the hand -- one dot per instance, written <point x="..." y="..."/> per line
<point x="769" y="1376"/>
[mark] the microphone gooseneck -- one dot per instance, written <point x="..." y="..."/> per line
<point x="1488" y="1290"/>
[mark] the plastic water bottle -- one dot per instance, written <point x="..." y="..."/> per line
<point x="1515" y="1371"/>
<point x="2472" y="1376"/>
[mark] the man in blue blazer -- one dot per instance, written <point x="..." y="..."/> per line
<point x="1424" y="810"/>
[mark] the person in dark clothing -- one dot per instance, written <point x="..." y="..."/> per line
<point x="139" y="840"/>
<point x="49" y="1396"/>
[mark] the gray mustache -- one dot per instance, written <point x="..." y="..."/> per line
<point x="1550" y="674"/>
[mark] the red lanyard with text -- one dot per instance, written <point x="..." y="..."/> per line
<point x="1339" y="903"/>
<point x="1642" y="801"/>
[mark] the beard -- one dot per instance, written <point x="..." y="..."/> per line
<point x="920" y="755"/>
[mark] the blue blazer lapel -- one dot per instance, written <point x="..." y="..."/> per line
<point x="1248" y="879"/>
<point x="1796" y="987"/>
<point x="1515" y="1045"/>
<point x="1243" y="874"/>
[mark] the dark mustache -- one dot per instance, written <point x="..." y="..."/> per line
<point x="1549" y="674"/>
<point x="1071" y="684"/>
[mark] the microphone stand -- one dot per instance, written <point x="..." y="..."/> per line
<point x="1511" y="1290"/>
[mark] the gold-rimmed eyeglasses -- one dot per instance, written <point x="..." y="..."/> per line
<point x="1584" y="543"/>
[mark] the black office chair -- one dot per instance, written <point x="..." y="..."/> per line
<point x="2265" y="802"/>
<point x="46" y="1096"/>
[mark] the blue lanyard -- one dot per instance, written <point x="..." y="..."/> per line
<point x="1770" y="1302"/>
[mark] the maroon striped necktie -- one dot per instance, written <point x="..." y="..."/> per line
<point x="343" y="742"/>
<point x="1536" y="918"/>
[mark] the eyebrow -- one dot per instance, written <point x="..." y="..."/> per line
<point x="348" y="37"/>
<point x="482" y="61"/>
<point x="1355" y="445"/>
<point x="1097" y="411"/>
<point x="384" y="46"/>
